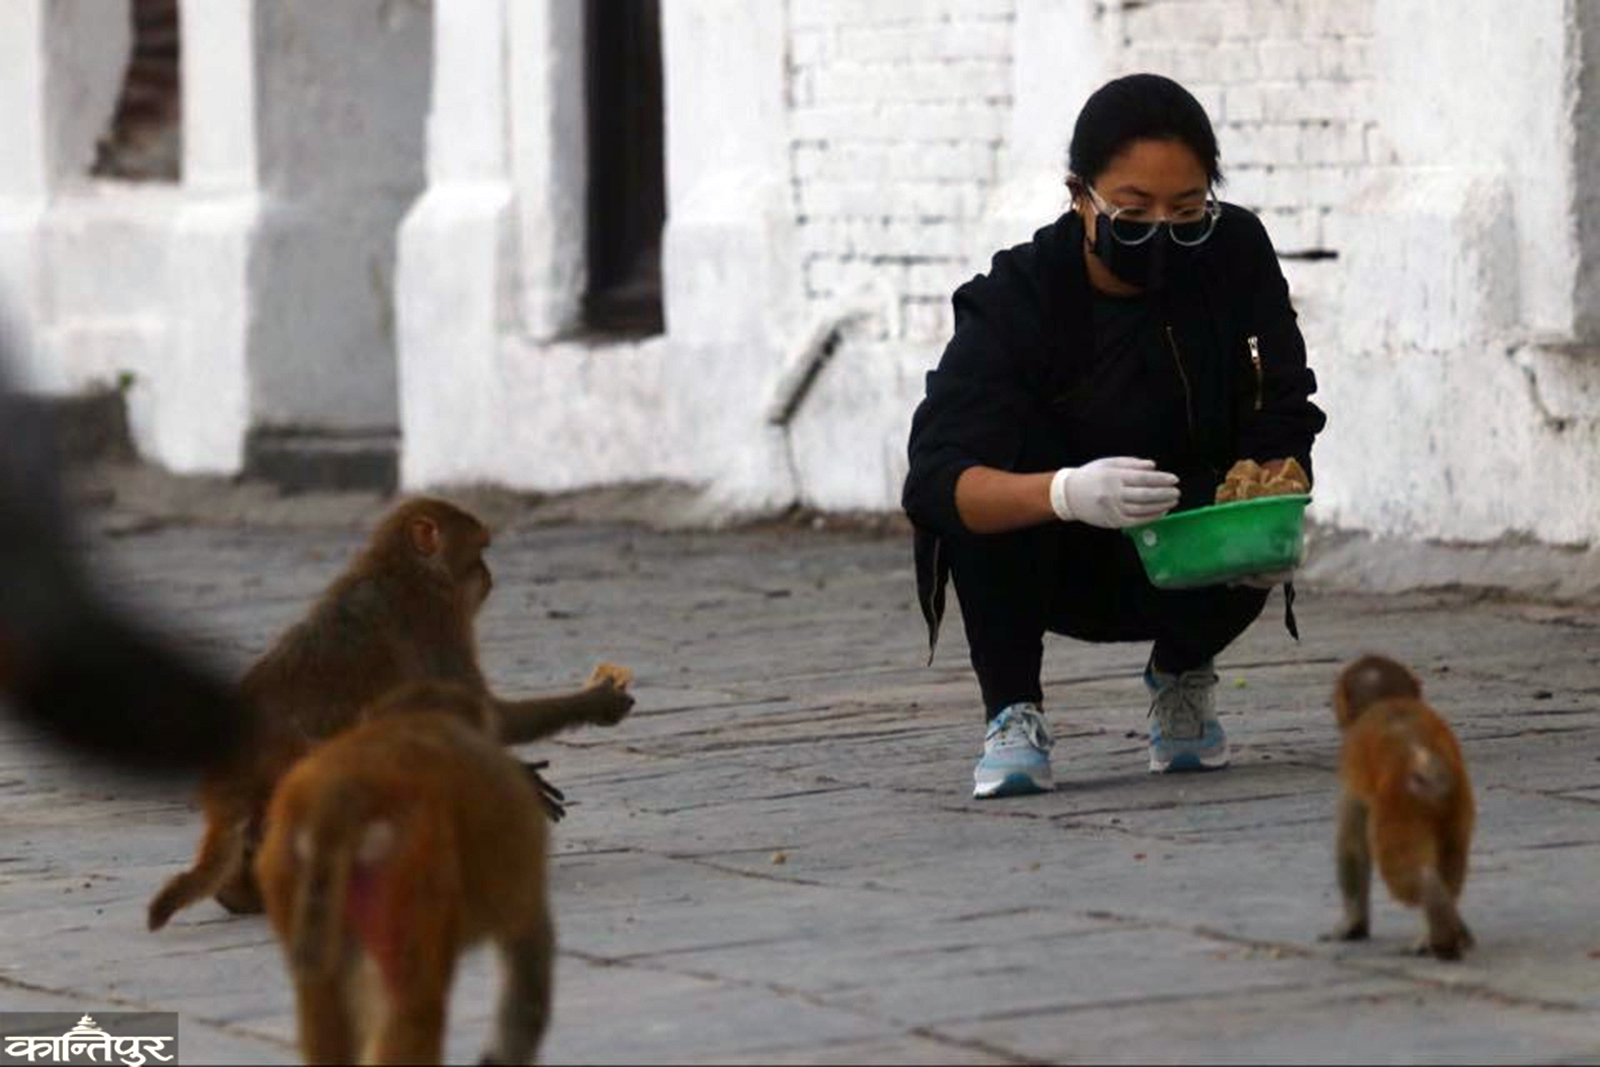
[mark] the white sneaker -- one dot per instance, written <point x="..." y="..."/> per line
<point x="1016" y="754"/>
<point x="1185" y="734"/>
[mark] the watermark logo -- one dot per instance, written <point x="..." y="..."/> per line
<point x="131" y="1038"/>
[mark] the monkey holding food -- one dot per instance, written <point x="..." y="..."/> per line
<point x="391" y="849"/>
<point x="1406" y="804"/>
<point x="403" y="611"/>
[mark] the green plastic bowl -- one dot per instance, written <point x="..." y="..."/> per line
<point x="1208" y="546"/>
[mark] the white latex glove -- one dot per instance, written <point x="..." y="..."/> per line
<point x="1113" y="492"/>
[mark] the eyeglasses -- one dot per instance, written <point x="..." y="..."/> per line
<point x="1136" y="225"/>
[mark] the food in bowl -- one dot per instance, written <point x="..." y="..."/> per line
<point x="1249" y="480"/>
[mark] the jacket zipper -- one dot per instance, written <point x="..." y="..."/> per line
<point x="1188" y="397"/>
<point x="1255" y="361"/>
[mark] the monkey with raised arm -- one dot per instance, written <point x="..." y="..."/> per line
<point x="401" y="612"/>
<point x="391" y="849"/>
<point x="1406" y="804"/>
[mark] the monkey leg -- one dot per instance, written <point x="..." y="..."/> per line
<point x="412" y="942"/>
<point x="1407" y="852"/>
<point x="1453" y="847"/>
<point x="218" y="859"/>
<point x="413" y="1026"/>
<point x="1354" y="861"/>
<point x="524" y="1010"/>
<point x="1444" y="934"/>
<point x="239" y="893"/>
<point x="322" y="1009"/>
<point x="1454" y="843"/>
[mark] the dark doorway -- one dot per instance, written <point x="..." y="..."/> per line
<point x="627" y="180"/>
<point x="145" y="141"/>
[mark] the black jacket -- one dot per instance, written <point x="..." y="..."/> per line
<point x="1024" y="340"/>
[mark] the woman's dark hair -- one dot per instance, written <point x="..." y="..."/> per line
<point x="1137" y="107"/>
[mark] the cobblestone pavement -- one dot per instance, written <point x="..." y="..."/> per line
<point x="776" y="858"/>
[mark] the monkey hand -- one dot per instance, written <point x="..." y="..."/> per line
<point x="614" y="680"/>
<point x="553" y="799"/>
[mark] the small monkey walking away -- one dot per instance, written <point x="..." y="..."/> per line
<point x="389" y="851"/>
<point x="1406" y="803"/>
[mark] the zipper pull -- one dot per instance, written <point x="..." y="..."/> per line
<point x="1255" y="361"/>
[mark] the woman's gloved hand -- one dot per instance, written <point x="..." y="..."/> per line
<point x="1114" y="492"/>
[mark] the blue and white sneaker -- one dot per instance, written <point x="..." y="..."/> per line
<point x="1016" y="754"/>
<point x="1184" y="732"/>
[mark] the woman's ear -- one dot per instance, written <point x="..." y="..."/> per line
<point x="1082" y="205"/>
<point x="1076" y="188"/>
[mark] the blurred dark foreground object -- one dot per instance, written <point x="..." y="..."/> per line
<point x="78" y="666"/>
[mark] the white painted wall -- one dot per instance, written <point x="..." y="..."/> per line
<point x="835" y="169"/>
<point x="342" y="92"/>
<point x="257" y="292"/>
<point x="840" y="168"/>
<point x="486" y="395"/>
<point x="1449" y="343"/>
<point x="23" y="181"/>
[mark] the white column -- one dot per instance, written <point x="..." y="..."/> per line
<point x="730" y="274"/>
<point x="728" y="271"/>
<point x="219" y="97"/>
<point x="341" y="95"/>
<point x="204" y="396"/>
<point x="23" y="180"/>
<point x="549" y="160"/>
<point x="60" y="67"/>
<point x="455" y="276"/>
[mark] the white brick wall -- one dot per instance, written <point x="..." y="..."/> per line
<point x="899" y="114"/>
<point x="1287" y="83"/>
<point x="899" y="111"/>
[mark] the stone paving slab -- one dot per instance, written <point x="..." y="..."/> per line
<point x="776" y="859"/>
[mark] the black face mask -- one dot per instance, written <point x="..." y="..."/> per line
<point x="1148" y="264"/>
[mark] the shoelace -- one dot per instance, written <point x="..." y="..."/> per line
<point x="1030" y="726"/>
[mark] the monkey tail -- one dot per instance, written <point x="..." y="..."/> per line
<point x="1428" y="777"/>
<point x="220" y="855"/>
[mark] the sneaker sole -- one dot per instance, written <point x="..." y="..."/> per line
<point x="1015" y="784"/>
<point x="1189" y="762"/>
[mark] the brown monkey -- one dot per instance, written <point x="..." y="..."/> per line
<point x="1407" y="803"/>
<point x="403" y="611"/>
<point x="390" y="850"/>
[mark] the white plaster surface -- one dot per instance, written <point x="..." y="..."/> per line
<point x="833" y="170"/>
<point x="549" y="150"/>
<point x="259" y="290"/>
<point x="917" y="138"/>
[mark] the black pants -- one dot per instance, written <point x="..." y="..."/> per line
<point x="1086" y="583"/>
